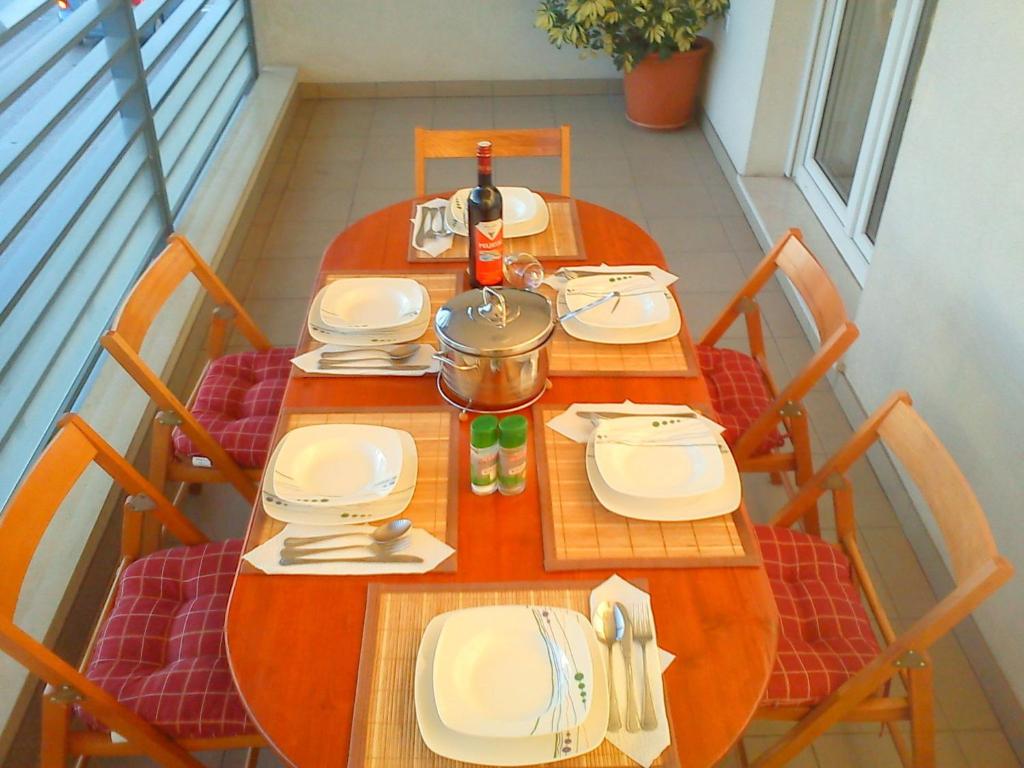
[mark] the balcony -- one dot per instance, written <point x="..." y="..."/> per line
<point x="323" y="140"/>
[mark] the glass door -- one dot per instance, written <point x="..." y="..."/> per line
<point x="861" y="61"/>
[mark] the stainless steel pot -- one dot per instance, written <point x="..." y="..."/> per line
<point x="494" y="347"/>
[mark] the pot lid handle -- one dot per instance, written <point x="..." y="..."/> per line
<point x="494" y="308"/>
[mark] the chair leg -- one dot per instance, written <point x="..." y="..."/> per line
<point x="56" y="721"/>
<point x="775" y="478"/>
<point x="252" y="757"/>
<point x="159" y="460"/>
<point x="741" y="753"/>
<point x="799" y="431"/>
<point x="922" y="716"/>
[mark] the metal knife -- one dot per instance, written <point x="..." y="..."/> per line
<point x="591" y="415"/>
<point x="626" y="644"/>
<point x="382" y="559"/>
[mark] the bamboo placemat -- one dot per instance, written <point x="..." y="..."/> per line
<point x="569" y="356"/>
<point x="384" y="730"/>
<point x="434" y="505"/>
<point x="561" y="241"/>
<point x="441" y="286"/>
<point x="579" y="533"/>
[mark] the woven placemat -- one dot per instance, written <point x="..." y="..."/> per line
<point x="561" y="241"/>
<point x="569" y="356"/>
<point x="441" y="286"/>
<point x="434" y="505"/>
<point x="579" y="533"/>
<point x="384" y="729"/>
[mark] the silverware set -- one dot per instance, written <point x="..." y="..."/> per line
<point x="384" y="543"/>
<point x="571" y="273"/>
<point x="433" y="224"/>
<point x="617" y="627"/>
<point x="393" y="356"/>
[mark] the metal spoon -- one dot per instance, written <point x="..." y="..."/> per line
<point x="396" y="352"/>
<point x="394" y="529"/>
<point x="610" y="625"/>
<point x="374" y="548"/>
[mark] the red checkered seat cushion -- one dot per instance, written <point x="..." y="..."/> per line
<point x="825" y="635"/>
<point x="161" y="651"/>
<point x="238" y="401"/>
<point x="739" y="392"/>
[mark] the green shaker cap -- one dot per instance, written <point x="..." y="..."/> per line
<point x="512" y="431"/>
<point x="483" y="431"/>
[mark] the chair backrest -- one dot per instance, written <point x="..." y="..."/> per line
<point x="124" y="341"/>
<point x="836" y="332"/>
<point x="524" y="142"/>
<point x="22" y="526"/>
<point x="978" y="568"/>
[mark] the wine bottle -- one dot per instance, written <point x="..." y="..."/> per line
<point x="483" y="222"/>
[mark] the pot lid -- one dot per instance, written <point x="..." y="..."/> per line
<point x="495" y="322"/>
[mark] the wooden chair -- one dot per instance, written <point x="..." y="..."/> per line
<point x="96" y="697"/>
<point x="523" y="142"/>
<point x="211" y="438"/>
<point x="844" y="674"/>
<point x="743" y="389"/>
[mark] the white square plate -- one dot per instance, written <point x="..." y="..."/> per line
<point x="642" y="301"/>
<point x="512" y="671"/>
<point x="371" y="303"/>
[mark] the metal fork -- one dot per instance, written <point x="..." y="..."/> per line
<point x="643" y="633"/>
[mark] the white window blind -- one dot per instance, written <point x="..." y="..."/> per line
<point x="109" y="112"/>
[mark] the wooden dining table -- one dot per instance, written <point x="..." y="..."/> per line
<point x="294" y="641"/>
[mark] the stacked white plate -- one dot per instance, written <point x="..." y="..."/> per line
<point x="511" y="685"/>
<point x="643" y="310"/>
<point x="662" y="468"/>
<point x="337" y="474"/>
<point x="369" y="311"/>
<point x="524" y="212"/>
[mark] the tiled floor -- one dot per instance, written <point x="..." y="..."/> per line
<point x="344" y="159"/>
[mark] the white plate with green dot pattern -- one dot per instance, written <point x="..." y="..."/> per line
<point x="489" y="680"/>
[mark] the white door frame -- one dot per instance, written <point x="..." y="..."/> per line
<point x="846" y="222"/>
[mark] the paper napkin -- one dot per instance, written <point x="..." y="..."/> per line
<point x="435" y="246"/>
<point x="267" y="555"/>
<point x="641" y="746"/>
<point x="578" y="429"/>
<point x="659" y="275"/>
<point x="310" y="361"/>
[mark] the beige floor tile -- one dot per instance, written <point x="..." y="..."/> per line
<point x="757" y="744"/>
<point x="336" y="117"/>
<point x="661" y="170"/>
<point x="540" y="173"/>
<point x="796" y="352"/>
<point x="387" y="174"/>
<point x="741" y="236"/>
<point x="241" y="276"/>
<point x="448" y="174"/>
<point x="778" y="314"/>
<point x="900" y="571"/>
<point x="957" y="691"/>
<point x="699" y="272"/>
<point x="689" y="234"/>
<point x="463" y="113"/>
<point x="283" y="278"/>
<point x="301" y="240"/>
<point x="587" y="146"/>
<point x="613" y="170"/>
<point x="388" y="146"/>
<point x="280" y="319"/>
<point x="621" y="199"/>
<point x="401" y="115"/>
<point x="703" y="308"/>
<point x="313" y="173"/>
<point x="219" y="510"/>
<point x="683" y="199"/>
<point x="305" y="204"/>
<point x="331" y="150"/>
<point x="987" y="749"/>
<point x="856" y="750"/>
<point x="368" y="201"/>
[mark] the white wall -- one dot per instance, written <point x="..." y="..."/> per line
<point x="942" y="312"/>
<point x="734" y="74"/>
<point x="412" y="40"/>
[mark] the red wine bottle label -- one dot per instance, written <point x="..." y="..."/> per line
<point x="489" y="247"/>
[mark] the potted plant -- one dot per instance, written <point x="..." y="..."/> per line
<point x="655" y="43"/>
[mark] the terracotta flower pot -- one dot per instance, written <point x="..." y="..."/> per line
<point x="661" y="94"/>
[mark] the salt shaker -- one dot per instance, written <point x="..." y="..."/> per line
<point x="483" y="455"/>
<point x="512" y="455"/>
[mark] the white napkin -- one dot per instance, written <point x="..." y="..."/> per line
<point x="267" y="555"/>
<point x="309" y="361"/>
<point x="578" y="429"/>
<point x="435" y="246"/>
<point x="641" y="746"/>
<point x="659" y="275"/>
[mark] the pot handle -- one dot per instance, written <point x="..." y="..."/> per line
<point x="452" y="364"/>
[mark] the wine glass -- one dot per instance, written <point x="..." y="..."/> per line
<point x="522" y="270"/>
